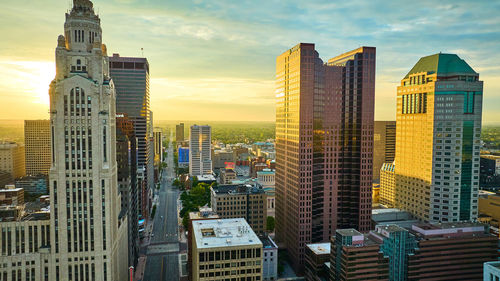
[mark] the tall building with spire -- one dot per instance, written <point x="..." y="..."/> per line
<point x="439" y="108"/>
<point x="88" y="234"/>
<point x="324" y="139"/>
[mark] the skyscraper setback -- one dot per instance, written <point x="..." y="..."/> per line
<point x="439" y="106"/>
<point x="324" y="138"/>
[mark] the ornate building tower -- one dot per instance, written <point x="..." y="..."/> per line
<point x="88" y="234"/>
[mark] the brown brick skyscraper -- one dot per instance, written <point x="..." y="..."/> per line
<point x="324" y="138"/>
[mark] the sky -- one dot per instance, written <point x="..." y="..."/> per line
<point x="215" y="60"/>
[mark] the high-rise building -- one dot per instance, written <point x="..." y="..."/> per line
<point x="88" y="234"/>
<point x="200" y="156"/>
<point x="384" y="145"/>
<point x="158" y="145"/>
<point x="241" y="201"/>
<point x="387" y="187"/>
<point x="37" y="146"/>
<point x="12" y="159"/>
<point x="324" y="138"/>
<point x="439" y="105"/>
<point x="126" y="160"/>
<point x="222" y="246"/>
<point x="131" y="79"/>
<point x="179" y="133"/>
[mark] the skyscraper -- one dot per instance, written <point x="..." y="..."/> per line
<point x="324" y="137"/>
<point x="126" y="160"/>
<point x="200" y="157"/>
<point x="88" y="237"/>
<point x="37" y="146"/>
<point x="131" y="78"/>
<point x="439" y="104"/>
<point x="384" y="145"/>
<point x="179" y="132"/>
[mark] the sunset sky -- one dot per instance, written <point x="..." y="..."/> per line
<point x="215" y="60"/>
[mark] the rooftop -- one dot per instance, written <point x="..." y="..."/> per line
<point x="441" y="64"/>
<point x="224" y="233"/>
<point x="319" y="248"/>
<point x="349" y="232"/>
<point x="267" y="242"/>
<point x="236" y="189"/>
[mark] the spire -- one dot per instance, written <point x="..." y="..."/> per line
<point x="82" y="5"/>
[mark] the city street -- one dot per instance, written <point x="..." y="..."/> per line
<point x="163" y="251"/>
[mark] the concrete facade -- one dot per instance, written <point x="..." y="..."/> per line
<point x="88" y="236"/>
<point x="200" y="156"/>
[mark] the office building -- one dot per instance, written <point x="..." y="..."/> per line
<point x="227" y="176"/>
<point x="200" y="157"/>
<point x="355" y="256"/>
<point x="34" y="184"/>
<point x="489" y="206"/>
<point x="451" y="251"/>
<point x="324" y="140"/>
<point x="222" y="158"/>
<point x="225" y="249"/>
<point x="37" y="146"/>
<point x="316" y="256"/>
<point x="439" y="107"/>
<point x="183" y="157"/>
<point x="269" y="259"/>
<point x="5" y="178"/>
<point x="241" y="201"/>
<point x="384" y="145"/>
<point x="88" y="233"/>
<point x="10" y="195"/>
<point x="12" y="159"/>
<point x="387" y="185"/>
<point x="204" y="213"/>
<point x="131" y="79"/>
<point x="179" y="133"/>
<point x="491" y="271"/>
<point x="158" y="145"/>
<point x="126" y="160"/>
<point x="397" y="244"/>
<point x="489" y="173"/>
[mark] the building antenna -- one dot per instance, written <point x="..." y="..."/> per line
<point x="142" y="52"/>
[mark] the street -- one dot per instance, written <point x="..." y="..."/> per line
<point x="163" y="251"/>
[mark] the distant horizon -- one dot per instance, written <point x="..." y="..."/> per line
<point x="217" y="59"/>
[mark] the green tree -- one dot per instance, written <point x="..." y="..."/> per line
<point x="270" y="224"/>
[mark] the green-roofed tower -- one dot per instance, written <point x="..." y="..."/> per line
<point x="438" y="127"/>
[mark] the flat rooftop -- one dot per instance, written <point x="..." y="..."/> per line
<point x="349" y="232"/>
<point x="236" y="189"/>
<point x="320" y="248"/>
<point x="218" y="233"/>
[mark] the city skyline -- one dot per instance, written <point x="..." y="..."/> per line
<point x="230" y="49"/>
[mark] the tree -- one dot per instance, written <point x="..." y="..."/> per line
<point x="270" y="223"/>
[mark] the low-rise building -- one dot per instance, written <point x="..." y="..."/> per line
<point x="204" y="213"/>
<point x="315" y="258"/>
<point x="34" y="184"/>
<point x="12" y="196"/>
<point x="12" y="159"/>
<point x="491" y="271"/>
<point x="266" y="179"/>
<point x="270" y="259"/>
<point x="355" y="256"/>
<point x="225" y="249"/>
<point x="227" y="176"/>
<point x="489" y="208"/>
<point x="241" y="201"/>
